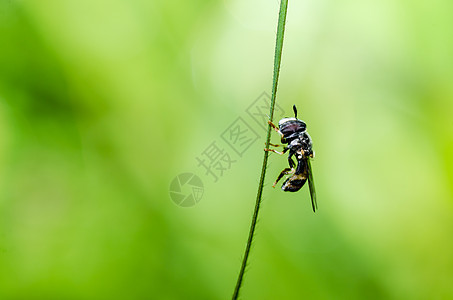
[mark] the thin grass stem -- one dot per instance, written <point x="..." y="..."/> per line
<point x="277" y="60"/>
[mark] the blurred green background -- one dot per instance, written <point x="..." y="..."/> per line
<point x="103" y="103"/>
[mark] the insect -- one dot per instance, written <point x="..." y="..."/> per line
<point x="293" y="133"/>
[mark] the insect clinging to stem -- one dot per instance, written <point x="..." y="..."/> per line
<point x="299" y="144"/>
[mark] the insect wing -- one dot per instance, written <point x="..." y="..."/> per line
<point x="311" y="185"/>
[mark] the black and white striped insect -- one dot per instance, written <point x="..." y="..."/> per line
<point x="299" y="144"/>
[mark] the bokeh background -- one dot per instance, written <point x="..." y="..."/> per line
<point x="103" y="103"/>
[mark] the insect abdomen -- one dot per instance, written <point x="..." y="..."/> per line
<point x="294" y="183"/>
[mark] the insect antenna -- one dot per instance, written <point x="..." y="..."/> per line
<point x="295" y="111"/>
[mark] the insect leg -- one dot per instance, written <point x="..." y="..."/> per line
<point x="285" y="171"/>
<point x="290" y="160"/>
<point x="275" y="128"/>
<point x="275" y="145"/>
<point x="272" y="125"/>
<point x="275" y="151"/>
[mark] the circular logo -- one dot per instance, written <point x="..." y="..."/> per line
<point x="186" y="189"/>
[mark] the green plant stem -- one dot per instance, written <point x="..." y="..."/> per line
<point x="277" y="60"/>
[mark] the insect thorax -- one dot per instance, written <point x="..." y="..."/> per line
<point x="301" y="143"/>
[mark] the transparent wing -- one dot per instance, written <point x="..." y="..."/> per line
<point x="311" y="185"/>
